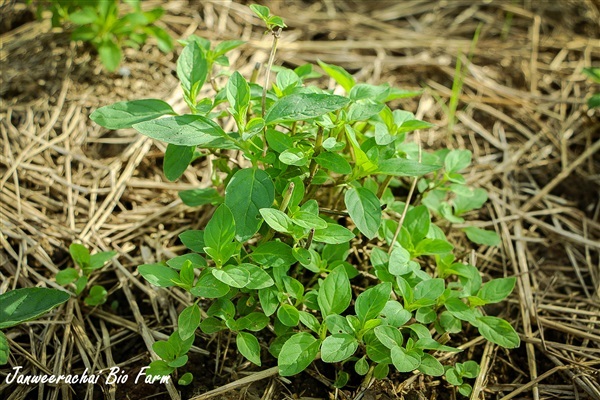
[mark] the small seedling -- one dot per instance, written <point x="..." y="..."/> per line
<point x="103" y="24"/>
<point x="309" y="210"/>
<point x="79" y="277"/>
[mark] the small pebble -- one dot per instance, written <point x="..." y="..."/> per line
<point x="124" y="71"/>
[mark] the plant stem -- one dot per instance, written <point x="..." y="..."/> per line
<point x="276" y="33"/>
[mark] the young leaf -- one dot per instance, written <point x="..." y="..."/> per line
<point x="238" y="95"/>
<point x="188" y="321"/>
<point x="110" y="54"/>
<point x="303" y="106"/>
<point x="389" y="336"/>
<point x="80" y="254"/>
<point x="497" y="290"/>
<point x="247" y="344"/>
<point x="268" y="300"/>
<point x="308" y="220"/>
<point x="339" y="74"/>
<point x="288" y="315"/>
<point x="192" y="70"/>
<point x="430" y="289"/>
<point x="372" y="301"/>
<point x="482" y="236"/>
<point x="457" y="160"/>
<point x="431" y="366"/>
<point x="277" y="220"/>
<point x="125" y="114"/>
<point x="335" y="292"/>
<point x="67" y="276"/>
<point x="417" y="223"/>
<point x="96" y="296"/>
<point x="338" y="348"/>
<point x="297" y="353"/>
<point x="498" y="331"/>
<point x="219" y="235"/>
<point x="248" y="191"/>
<point x="177" y="159"/>
<point x="186" y="130"/>
<point x="405" y="360"/>
<point x="159" y="274"/>
<point x="273" y="254"/>
<point x="259" y="279"/>
<point x="25" y="304"/>
<point x="193" y="240"/>
<point x="365" y="210"/>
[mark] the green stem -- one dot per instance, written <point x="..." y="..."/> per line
<point x="276" y="33"/>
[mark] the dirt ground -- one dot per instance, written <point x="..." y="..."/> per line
<point x="521" y="111"/>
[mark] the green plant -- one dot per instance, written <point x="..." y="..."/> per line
<point x="594" y="74"/>
<point x="310" y="208"/>
<point x="25" y="304"/>
<point x="87" y="263"/>
<point x="100" y="22"/>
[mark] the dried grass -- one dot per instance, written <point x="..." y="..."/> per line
<point x="521" y="112"/>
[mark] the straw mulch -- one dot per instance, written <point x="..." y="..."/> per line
<point x="521" y="111"/>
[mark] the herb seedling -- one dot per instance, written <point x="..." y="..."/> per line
<point x="311" y="208"/>
<point x="79" y="277"/>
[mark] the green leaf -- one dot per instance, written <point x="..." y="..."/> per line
<point x="4" y="349"/>
<point x="335" y="292"/>
<point x="268" y="300"/>
<point x="80" y="254"/>
<point x="482" y="236"/>
<point x="303" y="106"/>
<point x="341" y="379"/>
<point x="259" y="279"/>
<point x="310" y="321"/>
<point x="308" y="220"/>
<point x="404" y="167"/>
<point x="333" y="234"/>
<point x="593" y="73"/>
<point x="363" y="111"/>
<point x="67" y="276"/>
<point x="226" y="46"/>
<point x="334" y="162"/>
<point x="248" y="346"/>
<point x="211" y="325"/>
<point x="188" y="321"/>
<point x="185" y="379"/>
<point x="297" y="353"/>
<point x="193" y="240"/>
<point x="255" y="321"/>
<point x="86" y="15"/>
<point x="405" y="360"/>
<point x="159" y="368"/>
<point x="238" y="95"/>
<point x="261" y="11"/>
<point x="248" y="191"/>
<point x="362" y="366"/>
<point x="288" y="315"/>
<point x="594" y="101"/>
<point x="433" y="246"/>
<point x="457" y="160"/>
<point x="200" y="197"/>
<point x="219" y="234"/>
<point x="371" y="302"/>
<point x="186" y="130"/>
<point x="395" y="314"/>
<point x="497" y="290"/>
<point x="273" y="254"/>
<point x="233" y="275"/>
<point x="338" y="347"/>
<point x="498" y="331"/>
<point x="431" y="366"/>
<point x="209" y="287"/>
<point x="159" y="274"/>
<point x="277" y="220"/>
<point x="389" y="336"/>
<point x="177" y="159"/>
<point x="125" y="114"/>
<point x="192" y="70"/>
<point x="399" y="261"/>
<point x="98" y="260"/>
<point x="278" y="141"/>
<point x="20" y="305"/>
<point x="96" y="296"/>
<point x="381" y="371"/>
<point x="430" y="289"/>
<point x="417" y="223"/>
<point x="293" y="156"/>
<point x="364" y="209"/>
<point x="110" y="54"/>
<point x="339" y="74"/>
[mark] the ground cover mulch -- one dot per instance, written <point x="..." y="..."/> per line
<point x="521" y="111"/>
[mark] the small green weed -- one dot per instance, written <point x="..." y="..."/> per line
<point x="311" y="209"/>
<point x="100" y="22"/>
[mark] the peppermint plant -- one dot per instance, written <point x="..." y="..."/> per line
<point x="311" y="242"/>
